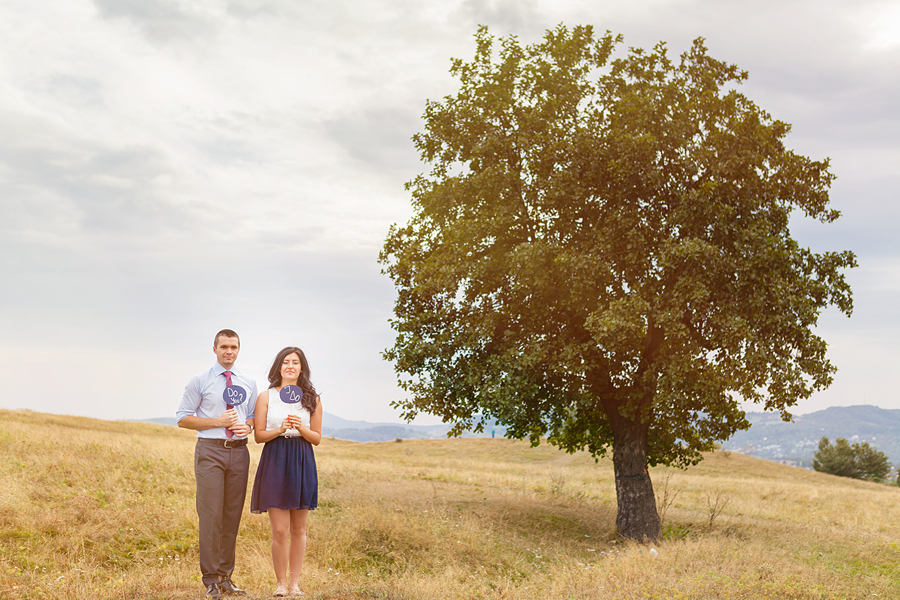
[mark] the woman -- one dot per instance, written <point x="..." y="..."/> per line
<point x="286" y="484"/>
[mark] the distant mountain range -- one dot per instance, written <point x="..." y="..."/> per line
<point x="768" y="437"/>
<point x="364" y="431"/>
<point x="795" y="442"/>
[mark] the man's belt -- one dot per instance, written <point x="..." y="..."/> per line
<point x="224" y="443"/>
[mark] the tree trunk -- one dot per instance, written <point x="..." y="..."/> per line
<point x="636" y="518"/>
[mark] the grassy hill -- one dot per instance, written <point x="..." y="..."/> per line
<point x="98" y="509"/>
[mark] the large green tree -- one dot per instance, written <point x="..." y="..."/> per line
<point x="600" y="254"/>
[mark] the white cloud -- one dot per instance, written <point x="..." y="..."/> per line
<point x="161" y="20"/>
<point x="168" y="168"/>
<point x="881" y="24"/>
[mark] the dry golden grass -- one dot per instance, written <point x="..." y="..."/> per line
<point x="96" y="509"/>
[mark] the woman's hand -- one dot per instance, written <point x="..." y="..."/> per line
<point x="295" y="422"/>
<point x="286" y="424"/>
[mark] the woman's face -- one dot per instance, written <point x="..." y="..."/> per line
<point x="290" y="367"/>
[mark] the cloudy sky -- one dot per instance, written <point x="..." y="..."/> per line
<point x="169" y="168"/>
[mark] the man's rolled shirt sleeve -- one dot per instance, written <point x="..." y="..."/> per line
<point x="251" y="407"/>
<point x="190" y="401"/>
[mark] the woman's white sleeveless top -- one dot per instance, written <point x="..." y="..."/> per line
<point x="278" y="411"/>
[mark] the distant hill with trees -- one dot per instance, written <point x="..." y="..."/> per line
<point x="795" y="442"/>
<point x="768" y="437"/>
<point x="364" y="431"/>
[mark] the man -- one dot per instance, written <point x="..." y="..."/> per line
<point x="221" y="461"/>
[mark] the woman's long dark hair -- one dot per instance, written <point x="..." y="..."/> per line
<point x="309" y="391"/>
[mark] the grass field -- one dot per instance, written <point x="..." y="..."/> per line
<point x="98" y="509"/>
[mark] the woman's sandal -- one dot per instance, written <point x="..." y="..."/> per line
<point x="280" y="592"/>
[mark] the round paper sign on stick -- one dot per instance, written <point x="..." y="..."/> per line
<point x="234" y="395"/>
<point x="291" y="394"/>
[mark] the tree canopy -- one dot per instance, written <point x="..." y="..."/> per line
<point x="859" y="461"/>
<point x="601" y="254"/>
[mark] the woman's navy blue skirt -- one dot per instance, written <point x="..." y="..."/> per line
<point x="286" y="476"/>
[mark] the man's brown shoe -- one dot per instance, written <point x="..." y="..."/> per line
<point x="228" y="587"/>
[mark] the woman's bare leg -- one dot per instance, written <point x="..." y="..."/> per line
<point x="280" y="520"/>
<point x="298" y="547"/>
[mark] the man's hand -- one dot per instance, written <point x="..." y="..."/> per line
<point x="228" y="419"/>
<point x="241" y="429"/>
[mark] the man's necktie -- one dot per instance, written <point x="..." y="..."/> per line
<point x="228" y="432"/>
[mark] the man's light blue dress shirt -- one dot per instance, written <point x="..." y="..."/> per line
<point x="203" y="398"/>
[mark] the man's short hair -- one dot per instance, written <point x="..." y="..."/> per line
<point x="226" y="333"/>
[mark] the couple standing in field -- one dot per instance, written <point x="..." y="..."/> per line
<point x="221" y="404"/>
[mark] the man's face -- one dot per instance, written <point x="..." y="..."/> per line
<point x="226" y="350"/>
